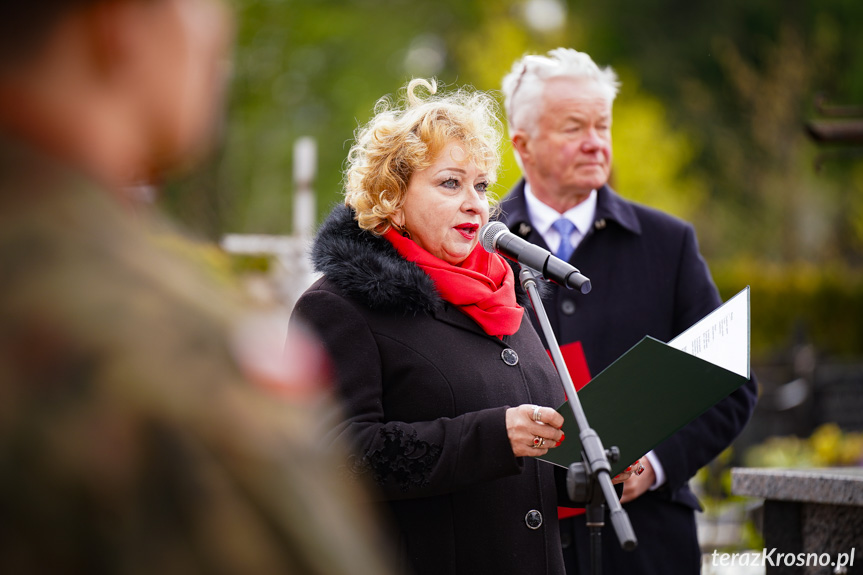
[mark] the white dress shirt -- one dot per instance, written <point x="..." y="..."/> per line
<point x="542" y="217"/>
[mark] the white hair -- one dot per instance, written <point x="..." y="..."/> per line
<point x="523" y="86"/>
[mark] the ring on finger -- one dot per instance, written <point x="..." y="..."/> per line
<point x="639" y="469"/>
<point x="538" y="442"/>
<point x="537" y="414"/>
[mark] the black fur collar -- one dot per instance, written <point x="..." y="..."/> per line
<point x="369" y="269"/>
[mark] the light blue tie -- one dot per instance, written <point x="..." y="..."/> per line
<point x="565" y="228"/>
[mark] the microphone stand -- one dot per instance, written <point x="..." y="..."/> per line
<point x="590" y="479"/>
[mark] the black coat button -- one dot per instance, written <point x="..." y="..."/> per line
<point x="533" y="519"/>
<point x="509" y="356"/>
<point x="567" y="307"/>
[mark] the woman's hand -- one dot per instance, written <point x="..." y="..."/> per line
<point x="638" y="485"/>
<point x="533" y="429"/>
<point x="636" y="469"/>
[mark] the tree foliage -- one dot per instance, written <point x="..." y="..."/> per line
<point x="709" y="124"/>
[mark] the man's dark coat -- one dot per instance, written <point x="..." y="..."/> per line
<point x="426" y="392"/>
<point x="648" y="278"/>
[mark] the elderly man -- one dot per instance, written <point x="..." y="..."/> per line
<point x="143" y="426"/>
<point x="648" y="279"/>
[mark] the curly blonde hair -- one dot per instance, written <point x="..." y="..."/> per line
<point x="401" y="140"/>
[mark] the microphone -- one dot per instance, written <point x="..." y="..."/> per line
<point x="496" y="237"/>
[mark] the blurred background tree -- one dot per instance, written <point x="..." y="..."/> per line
<point x="709" y="124"/>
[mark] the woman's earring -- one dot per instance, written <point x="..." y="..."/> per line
<point x="403" y="231"/>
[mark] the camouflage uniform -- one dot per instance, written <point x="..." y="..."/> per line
<point x="130" y="440"/>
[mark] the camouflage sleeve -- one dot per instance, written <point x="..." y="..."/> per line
<point x="132" y="441"/>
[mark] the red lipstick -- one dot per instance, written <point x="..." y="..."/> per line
<point x="467" y="230"/>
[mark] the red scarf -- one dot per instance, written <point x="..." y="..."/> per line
<point x="483" y="286"/>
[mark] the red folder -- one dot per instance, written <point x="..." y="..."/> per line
<point x="573" y="356"/>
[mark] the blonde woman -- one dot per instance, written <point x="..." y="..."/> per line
<point x="448" y="391"/>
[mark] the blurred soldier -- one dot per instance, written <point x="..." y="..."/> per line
<point x="131" y="440"/>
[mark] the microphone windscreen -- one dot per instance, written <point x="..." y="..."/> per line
<point x="489" y="232"/>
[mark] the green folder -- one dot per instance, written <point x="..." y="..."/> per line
<point x="641" y="399"/>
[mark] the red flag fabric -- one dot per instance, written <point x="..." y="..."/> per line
<point x="573" y="356"/>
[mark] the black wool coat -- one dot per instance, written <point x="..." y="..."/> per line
<point x="648" y="278"/>
<point x="426" y="391"/>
